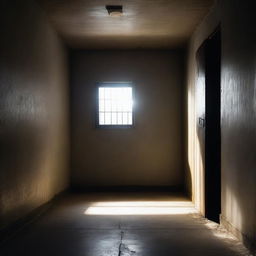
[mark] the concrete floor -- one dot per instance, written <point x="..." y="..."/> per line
<point x="82" y="225"/>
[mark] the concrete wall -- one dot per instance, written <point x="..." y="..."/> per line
<point x="151" y="153"/>
<point x="238" y="114"/>
<point x="34" y="152"/>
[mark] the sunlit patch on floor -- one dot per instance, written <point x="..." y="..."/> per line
<point x="141" y="208"/>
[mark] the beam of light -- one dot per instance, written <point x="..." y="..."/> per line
<point x="141" y="208"/>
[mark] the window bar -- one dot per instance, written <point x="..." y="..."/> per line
<point x="122" y="106"/>
<point x="104" y="109"/>
<point x="111" y="93"/>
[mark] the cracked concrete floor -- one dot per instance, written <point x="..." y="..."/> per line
<point x="114" y="224"/>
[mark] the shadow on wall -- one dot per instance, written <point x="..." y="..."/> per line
<point x="188" y="181"/>
<point x="33" y="111"/>
<point x="22" y="160"/>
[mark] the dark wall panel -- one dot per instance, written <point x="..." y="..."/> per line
<point x="151" y="153"/>
<point x="33" y="110"/>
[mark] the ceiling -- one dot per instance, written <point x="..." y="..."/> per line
<point x="144" y="23"/>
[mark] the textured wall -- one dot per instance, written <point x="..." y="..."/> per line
<point x="151" y="152"/>
<point x="238" y="114"/>
<point x="33" y="111"/>
<point x="238" y="117"/>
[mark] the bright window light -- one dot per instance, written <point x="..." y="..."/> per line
<point x="141" y="208"/>
<point x="115" y="105"/>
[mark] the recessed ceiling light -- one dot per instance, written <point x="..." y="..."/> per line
<point x="115" y="10"/>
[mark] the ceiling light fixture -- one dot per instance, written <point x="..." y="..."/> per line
<point x="115" y="10"/>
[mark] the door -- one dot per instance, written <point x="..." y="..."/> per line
<point x="208" y="93"/>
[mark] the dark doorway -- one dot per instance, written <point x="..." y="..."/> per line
<point x="208" y="94"/>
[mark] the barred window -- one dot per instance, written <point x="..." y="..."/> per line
<point x="115" y="104"/>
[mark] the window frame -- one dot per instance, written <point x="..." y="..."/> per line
<point x="113" y="85"/>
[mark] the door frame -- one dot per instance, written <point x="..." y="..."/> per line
<point x="209" y="121"/>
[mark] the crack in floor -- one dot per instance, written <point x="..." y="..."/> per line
<point x="123" y="249"/>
